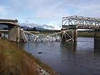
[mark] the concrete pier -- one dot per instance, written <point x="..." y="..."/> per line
<point x="97" y="40"/>
<point x="14" y="34"/>
<point x="69" y="33"/>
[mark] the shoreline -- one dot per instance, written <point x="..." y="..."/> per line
<point x="16" y="61"/>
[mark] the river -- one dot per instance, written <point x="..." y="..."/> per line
<point x="68" y="58"/>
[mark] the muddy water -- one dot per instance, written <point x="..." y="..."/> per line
<point x="81" y="58"/>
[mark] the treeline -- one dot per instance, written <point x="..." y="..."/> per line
<point x="41" y="30"/>
<point x="30" y="29"/>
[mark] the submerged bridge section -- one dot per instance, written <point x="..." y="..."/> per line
<point x="54" y="37"/>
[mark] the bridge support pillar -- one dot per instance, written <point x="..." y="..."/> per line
<point x="14" y="34"/>
<point x="97" y="40"/>
<point x="74" y="35"/>
<point x="68" y="35"/>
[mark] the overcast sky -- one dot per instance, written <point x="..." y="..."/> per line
<point x="47" y="11"/>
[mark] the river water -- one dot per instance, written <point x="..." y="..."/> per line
<point x="68" y="58"/>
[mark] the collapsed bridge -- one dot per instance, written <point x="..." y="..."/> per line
<point x="68" y="32"/>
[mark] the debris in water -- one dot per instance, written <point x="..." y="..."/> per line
<point x="39" y="52"/>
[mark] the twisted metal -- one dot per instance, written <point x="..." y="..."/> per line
<point x="55" y="37"/>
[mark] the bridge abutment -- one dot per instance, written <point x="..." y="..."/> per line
<point x="14" y="34"/>
<point x="14" y="31"/>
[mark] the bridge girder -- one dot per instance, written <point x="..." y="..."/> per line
<point x="9" y="21"/>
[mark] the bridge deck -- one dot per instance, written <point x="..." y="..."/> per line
<point x="8" y="20"/>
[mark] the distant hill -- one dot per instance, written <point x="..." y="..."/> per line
<point x="37" y="26"/>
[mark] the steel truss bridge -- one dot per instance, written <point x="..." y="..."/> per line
<point x="80" y="22"/>
<point x="70" y="22"/>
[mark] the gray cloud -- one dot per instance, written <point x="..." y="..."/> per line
<point x="54" y="10"/>
<point x="49" y="11"/>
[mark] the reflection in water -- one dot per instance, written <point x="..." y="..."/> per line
<point x="70" y="46"/>
<point x="68" y="58"/>
<point x="96" y="44"/>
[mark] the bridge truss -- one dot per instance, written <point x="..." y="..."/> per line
<point x="81" y="22"/>
<point x="54" y="37"/>
<point x="30" y="37"/>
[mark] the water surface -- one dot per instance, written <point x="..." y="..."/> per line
<point x="68" y="58"/>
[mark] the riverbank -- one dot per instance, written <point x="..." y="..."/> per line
<point x="15" y="61"/>
<point x="85" y="34"/>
